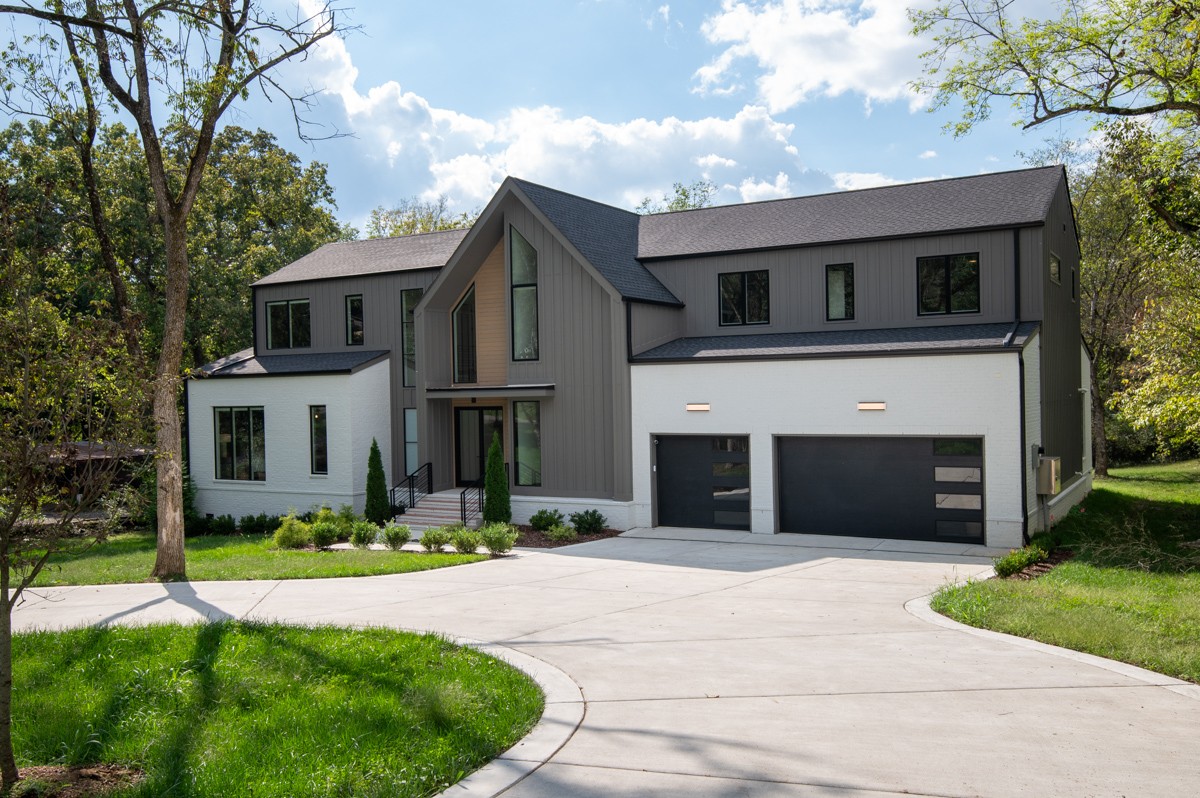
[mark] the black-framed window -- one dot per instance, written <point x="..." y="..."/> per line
<point x="288" y="324"/>
<point x="745" y="297"/>
<point x="1074" y="285"/>
<point x="239" y="438"/>
<point x="527" y="442"/>
<point x="1055" y="269"/>
<point x="839" y="292"/>
<point x="354" y="320"/>
<point x="948" y="284"/>
<point x="408" y="330"/>
<point x="464" y="338"/>
<point x="410" y="440"/>
<point x="318" y="437"/>
<point x="523" y="266"/>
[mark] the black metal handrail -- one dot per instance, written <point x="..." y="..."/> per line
<point x="415" y="487"/>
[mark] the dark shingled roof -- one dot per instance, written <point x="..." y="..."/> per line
<point x="245" y="364"/>
<point x="373" y="256"/>
<point x="1004" y="199"/>
<point x="841" y="343"/>
<point x="606" y="236"/>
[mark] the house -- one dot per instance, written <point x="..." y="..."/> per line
<point x="900" y="362"/>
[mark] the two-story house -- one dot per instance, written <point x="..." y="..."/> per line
<point x="892" y="362"/>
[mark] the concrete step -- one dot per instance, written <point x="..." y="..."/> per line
<point x="435" y="509"/>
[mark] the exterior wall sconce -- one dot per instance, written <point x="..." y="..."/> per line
<point x="872" y="405"/>
<point x="697" y="407"/>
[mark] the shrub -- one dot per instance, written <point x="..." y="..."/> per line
<point x="499" y="538"/>
<point x="222" y="525"/>
<point x="343" y="520"/>
<point x="588" y="522"/>
<point x="363" y="534"/>
<point x="324" y="534"/>
<point x="396" y="535"/>
<point x="465" y="541"/>
<point x="544" y="519"/>
<point x="198" y="526"/>
<point x="561" y="533"/>
<point x="378" y="509"/>
<point x="497" y="507"/>
<point x="434" y="538"/>
<point x="261" y="524"/>
<point x="292" y="533"/>
<point x="1017" y="559"/>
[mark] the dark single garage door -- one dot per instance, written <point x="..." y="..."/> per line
<point x="910" y="488"/>
<point x="703" y="481"/>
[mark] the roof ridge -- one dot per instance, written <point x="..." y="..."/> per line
<point x="521" y="182"/>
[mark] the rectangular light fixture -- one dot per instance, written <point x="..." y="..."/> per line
<point x="697" y="407"/>
<point x="872" y="405"/>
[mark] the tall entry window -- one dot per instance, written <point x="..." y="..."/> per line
<point x="745" y="298"/>
<point x="354" y="320"/>
<point x="524" y="266"/>
<point x="408" y="301"/>
<point x="288" y="324"/>
<point x="948" y="284"/>
<point x="240" y="443"/>
<point x="318" y="439"/>
<point x="839" y="292"/>
<point x="464" y="338"/>
<point x="527" y="442"/>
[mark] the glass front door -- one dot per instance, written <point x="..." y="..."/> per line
<point x="473" y="430"/>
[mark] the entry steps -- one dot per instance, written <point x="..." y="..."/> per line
<point x="436" y="509"/>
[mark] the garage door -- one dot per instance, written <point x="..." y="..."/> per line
<point x="703" y="481"/>
<point x="910" y="488"/>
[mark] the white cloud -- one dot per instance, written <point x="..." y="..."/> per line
<point x="807" y="48"/>
<point x="925" y="156"/>
<point x="852" y="181"/>
<point x="755" y="190"/>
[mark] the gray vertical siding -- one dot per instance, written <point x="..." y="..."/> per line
<point x="653" y="325"/>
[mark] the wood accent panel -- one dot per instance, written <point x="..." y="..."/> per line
<point x="491" y="319"/>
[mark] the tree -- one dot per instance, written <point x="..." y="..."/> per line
<point x="378" y="509"/>
<point x="497" y="506"/>
<point x="1108" y="59"/>
<point x="685" y="198"/>
<point x="415" y="215"/>
<point x="189" y="61"/>
<point x="71" y="415"/>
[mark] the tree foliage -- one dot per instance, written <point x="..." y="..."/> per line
<point x="378" y="509"/>
<point x="698" y="194"/>
<point x="497" y="503"/>
<point x="415" y="215"/>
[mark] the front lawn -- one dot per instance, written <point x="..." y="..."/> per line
<point x="130" y="558"/>
<point x="1132" y="592"/>
<point x="231" y="708"/>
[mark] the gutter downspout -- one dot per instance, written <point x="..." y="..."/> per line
<point x="1020" y="383"/>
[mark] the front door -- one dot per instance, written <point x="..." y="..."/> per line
<point x="473" y="430"/>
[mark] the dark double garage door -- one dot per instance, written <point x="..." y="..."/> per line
<point x="904" y="487"/>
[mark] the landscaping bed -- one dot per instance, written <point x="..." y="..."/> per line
<point x="531" y="538"/>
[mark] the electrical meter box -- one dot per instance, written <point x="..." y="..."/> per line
<point x="1049" y="476"/>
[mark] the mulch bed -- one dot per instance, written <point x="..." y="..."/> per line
<point x="530" y="538"/>
<point x="74" y="781"/>
<point x="1057" y="557"/>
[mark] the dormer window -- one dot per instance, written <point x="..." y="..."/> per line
<point x="948" y="284"/>
<point x="288" y="324"/>
<point x="523" y="267"/>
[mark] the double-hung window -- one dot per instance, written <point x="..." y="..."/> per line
<point x="288" y="324"/>
<point x="354" y="320"/>
<point x="745" y="298"/>
<point x="948" y="284"/>
<point x="839" y="292"/>
<point x="523" y="264"/>
<point x="240" y="441"/>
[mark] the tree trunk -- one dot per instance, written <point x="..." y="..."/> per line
<point x="8" y="763"/>
<point x="169" y="562"/>
<point x="1099" y="434"/>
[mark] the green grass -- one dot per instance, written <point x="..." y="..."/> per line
<point x="266" y="710"/>
<point x="1132" y="593"/>
<point x="130" y="558"/>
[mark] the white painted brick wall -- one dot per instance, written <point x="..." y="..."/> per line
<point x="967" y="395"/>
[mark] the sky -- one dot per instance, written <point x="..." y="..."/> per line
<point x="616" y="100"/>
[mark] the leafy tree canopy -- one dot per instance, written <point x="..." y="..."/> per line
<point x="698" y="194"/>
<point x="415" y="215"/>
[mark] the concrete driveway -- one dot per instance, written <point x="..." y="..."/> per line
<point x="723" y="664"/>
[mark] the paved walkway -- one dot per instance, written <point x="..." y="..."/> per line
<point x="718" y="664"/>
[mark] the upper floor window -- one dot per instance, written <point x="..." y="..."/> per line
<point x="240" y="440"/>
<point x="354" y="320"/>
<point x="408" y="330"/>
<point x="1055" y="269"/>
<point x="288" y="324"/>
<point x="464" y="338"/>
<point x="524" y="266"/>
<point x="948" y="284"/>
<point x="745" y="298"/>
<point x="839" y="292"/>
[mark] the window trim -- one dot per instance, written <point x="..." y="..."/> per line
<point x="350" y="321"/>
<point x="312" y="440"/>
<point x="473" y="376"/>
<point x="513" y="286"/>
<point x="745" y="280"/>
<point x="828" y="267"/>
<point x="946" y="295"/>
<point x="408" y="331"/>
<point x="289" y="303"/>
<point x="251" y="470"/>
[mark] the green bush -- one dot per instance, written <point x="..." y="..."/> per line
<point x="222" y="525"/>
<point x="324" y="534"/>
<point x="1017" y="559"/>
<point x="497" y="507"/>
<point x="588" y="522"/>
<point x="378" y="509"/>
<point x="396" y="535"/>
<point x="434" y="538"/>
<point x="261" y="524"/>
<point x="363" y="534"/>
<point x="197" y="527"/>
<point x="343" y="520"/>
<point x="498" y="538"/>
<point x="465" y="541"/>
<point x="544" y="519"/>
<point x="561" y="533"/>
<point x="292" y="533"/>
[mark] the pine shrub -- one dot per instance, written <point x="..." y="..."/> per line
<point x="544" y="519"/>
<point x="588" y="522"/>
<point x="378" y="509"/>
<point x="497" y="508"/>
